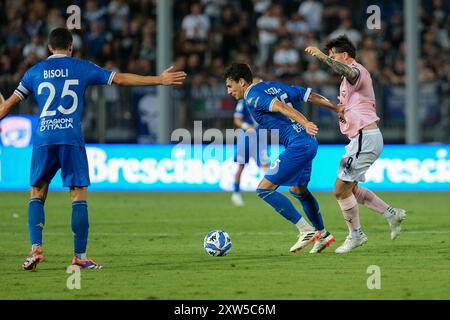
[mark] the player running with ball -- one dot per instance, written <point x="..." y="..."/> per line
<point x="272" y="104"/>
<point x="59" y="84"/>
<point x="359" y="123"/>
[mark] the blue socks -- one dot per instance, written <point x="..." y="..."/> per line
<point x="36" y="220"/>
<point x="311" y="208"/>
<point x="237" y="187"/>
<point x="80" y="226"/>
<point x="280" y="203"/>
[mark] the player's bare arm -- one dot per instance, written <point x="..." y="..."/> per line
<point x="295" y="115"/>
<point x="320" y="100"/>
<point x="6" y="106"/>
<point x="340" y="68"/>
<point x="168" y="77"/>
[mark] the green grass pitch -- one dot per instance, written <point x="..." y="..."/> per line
<point x="151" y="246"/>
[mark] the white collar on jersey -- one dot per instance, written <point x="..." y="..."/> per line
<point x="57" y="55"/>
<point x="248" y="89"/>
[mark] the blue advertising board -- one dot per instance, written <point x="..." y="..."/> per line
<point x="211" y="168"/>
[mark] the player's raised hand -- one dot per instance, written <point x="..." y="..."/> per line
<point x="315" y="52"/>
<point x="311" y="128"/>
<point x="170" y="77"/>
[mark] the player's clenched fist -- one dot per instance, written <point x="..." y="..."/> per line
<point x="311" y="128"/>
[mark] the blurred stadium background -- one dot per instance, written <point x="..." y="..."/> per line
<point x="204" y="36"/>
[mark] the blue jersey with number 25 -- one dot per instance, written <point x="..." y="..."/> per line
<point x="59" y="84"/>
<point x="260" y="97"/>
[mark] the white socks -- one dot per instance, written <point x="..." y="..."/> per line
<point x="357" y="233"/>
<point x="81" y="256"/>
<point x="303" y="226"/>
<point x="389" y="213"/>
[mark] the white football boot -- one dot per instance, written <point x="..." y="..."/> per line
<point x="237" y="199"/>
<point x="396" y="222"/>
<point x="305" y="238"/>
<point x="323" y="242"/>
<point x="351" y="243"/>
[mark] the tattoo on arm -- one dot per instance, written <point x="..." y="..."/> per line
<point x="341" y="68"/>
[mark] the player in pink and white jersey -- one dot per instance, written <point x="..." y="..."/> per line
<point x="358" y="120"/>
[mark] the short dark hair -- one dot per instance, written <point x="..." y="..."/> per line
<point x="60" y="39"/>
<point x="237" y="71"/>
<point x="341" y="44"/>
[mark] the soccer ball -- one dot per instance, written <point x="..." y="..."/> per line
<point x="217" y="243"/>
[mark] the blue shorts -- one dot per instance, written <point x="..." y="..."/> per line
<point x="248" y="146"/>
<point x="72" y="160"/>
<point x="293" y="166"/>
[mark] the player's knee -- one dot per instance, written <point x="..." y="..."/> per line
<point x="263" y="193"/>
<point x="340" y="194"/>
<point x="337" y="193"/>
<point x="299" y="192"/>
<point x="266" y="184"/>
<point x="343" y="189"/>
<point x="78" y="194"/>
<point x="38" y="193"/>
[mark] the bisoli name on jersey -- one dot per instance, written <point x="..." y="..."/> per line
<point x="56" y="73"/>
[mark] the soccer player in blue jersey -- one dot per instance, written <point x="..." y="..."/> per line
<point x="247" y="147"/>
<point x="59" y="84"/>
<point x="274" y="106"/>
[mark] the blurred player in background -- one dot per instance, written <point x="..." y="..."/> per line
<point x="273" y="106"/>
<point x="59" y="84"/>
<point x="247" y="147"/>
<point x="359" y="122"/>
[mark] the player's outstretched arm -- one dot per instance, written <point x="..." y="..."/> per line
<point x="295" y="115"/>
<point x="168" y="77"/>
<point x="6" y="106"/>
<point x="320" y="100"/>
<point x="340" y="68"/>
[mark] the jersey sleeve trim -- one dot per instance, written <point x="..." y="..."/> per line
<point x="307" y="94"/>
<point x="17" y="93"/>
<point x="22" y="92"/>
<point x="111" y="77"/>
<point x="271" y="103"/>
